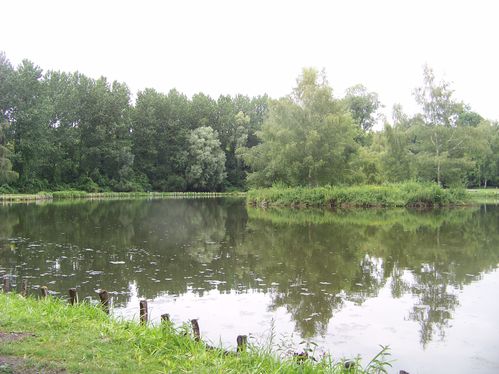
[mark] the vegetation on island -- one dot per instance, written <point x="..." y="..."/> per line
<point x="63" y="131"/>
<point x="409" y="194"/>
<point x="100" y="344"/>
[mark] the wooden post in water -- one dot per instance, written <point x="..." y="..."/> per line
<point x="24" y="288"/>
<point x="73" y="296"/>
<point x="242" y="341"/>
<point x="44" y="291"/>
<point x="104" y="300"/>
<point x="143" y="311"/>
<point x="165" y="317"/>
<point x="6" y="284"/>
<point x="195" y="329"/>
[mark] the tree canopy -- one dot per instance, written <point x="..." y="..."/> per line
<point x="61" y="130"/>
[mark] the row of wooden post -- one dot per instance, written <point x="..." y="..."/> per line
<point x="242" y="340"/>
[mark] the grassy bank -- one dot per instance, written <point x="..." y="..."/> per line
<point x="392" y="195"/>
<point x="60" y="195"/>
<point x="83" y="339"/>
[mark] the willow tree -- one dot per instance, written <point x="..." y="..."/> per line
<point x="308" y="138"/>
<point x="206" y="160"/>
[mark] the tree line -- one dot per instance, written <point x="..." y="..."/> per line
<point x="63" y="130"/>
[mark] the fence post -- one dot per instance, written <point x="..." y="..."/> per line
<point x="24" y="288"/>
<point x="242" y="341"/>
<point x="143" y="311"/>
<point x="44" y="291"/>
<point x="104" y="300"/>
<point x="6" y="284"/>
<point x="73" y="296"/>
<point x="195" y="329"/>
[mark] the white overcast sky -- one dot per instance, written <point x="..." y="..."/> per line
<point x="255" y="47"/>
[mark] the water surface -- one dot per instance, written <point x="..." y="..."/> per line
<point x="423" y="282"/>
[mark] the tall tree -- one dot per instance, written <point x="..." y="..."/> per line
<point x="105" y="133"/>
<point x="206" y="167"/>
<point x="308" y="138"/>
<point x="363" y="105"/>
<point x="440" y="144"/>
<point x="160" y="130"/>
<point x="30" y="127"/>
<point x="7" y="175"/>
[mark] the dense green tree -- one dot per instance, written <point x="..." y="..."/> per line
<point x="64" y="121"/>
<point x="206" y="167"/>
<point x="6" y="81"/>
<point x="31" y="138"/>
<point x="160" y="131"/>
<point x="363" y="106"/>
<point x="65" y="130"/>
<point x="435" y="145"/>
<point x="308" y="138"/>
<point x="105" y="126"/>
<point x="7" y="175"/>
<point x="397" y="159"/>
<point x="483" y="149"/>
<point x="441" y="148"/>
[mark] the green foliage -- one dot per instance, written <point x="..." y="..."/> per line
<point x="363" y="106"/>
<point x="69" y="194"/>
<point x="67" y="131"/>
<point x="308" y="138"/>
<point x="206" y="171"/>
<point x="390" y="195"/>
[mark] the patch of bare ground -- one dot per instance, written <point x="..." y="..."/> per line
<point x="20" y="365"/>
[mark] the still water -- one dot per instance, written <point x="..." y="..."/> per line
<point x="423" y="282"/>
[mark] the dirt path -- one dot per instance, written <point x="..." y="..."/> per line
<point x="19" y="365"/>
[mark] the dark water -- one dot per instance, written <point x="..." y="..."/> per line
<point x="425" y="283"/>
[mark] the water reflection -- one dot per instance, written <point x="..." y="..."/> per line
<point x="309" y="263"/>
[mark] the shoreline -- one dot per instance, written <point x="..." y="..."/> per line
<point x="369" y="196"/>
<point x="82" y="195"/>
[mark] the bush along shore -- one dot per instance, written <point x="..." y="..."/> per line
<point x="56" y="336"/>
<point x="409" y="194"/>
<point x="70" y="194"/>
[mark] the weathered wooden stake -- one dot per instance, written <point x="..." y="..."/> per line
<point x="44" y="291"/>
<point x="242" y="341"/>
<point x="143" y="311"/>
<point x="24" y="288"/>
<point x="195" y="329"/>
<point x="104" y="300"/>
<point x="6" y="284"/>
<point x="165" y="317"/>
<point x="73" y="296"/>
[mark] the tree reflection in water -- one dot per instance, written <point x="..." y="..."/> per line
<point x="311" y="262"/>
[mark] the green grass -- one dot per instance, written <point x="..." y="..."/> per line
<point x="410" y="194"/>
<point x="83" y="339"/>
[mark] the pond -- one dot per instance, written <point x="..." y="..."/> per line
<point x="423" y="282"/>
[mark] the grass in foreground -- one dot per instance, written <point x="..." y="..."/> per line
<point x="83" y="339"/>
<point x="410" y="194"/>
